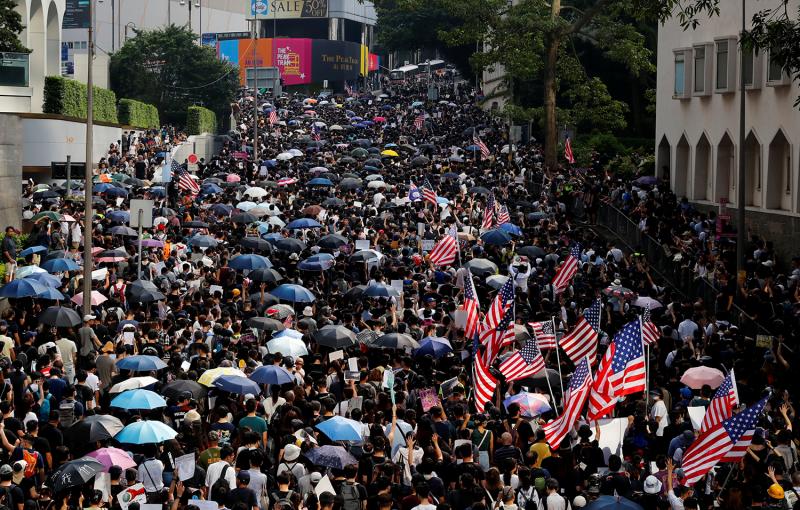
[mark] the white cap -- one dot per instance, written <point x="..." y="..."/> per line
<point x="88" y="317"/>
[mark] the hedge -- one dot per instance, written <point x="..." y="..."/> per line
<point x="137" y="114"/>
<point x="200" y="120"/>
<point x="68" y="98"/>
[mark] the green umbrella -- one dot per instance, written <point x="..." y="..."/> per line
<point x="51" y="215"/>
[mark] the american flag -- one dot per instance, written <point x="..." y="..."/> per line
<point x="488" y="212"/>
<point x="568" y="151"/>
<point x="650" y="332"/>
<point x="273" y="117"/>
<point x="567" y="269"/>
<point x="576" y="396"/>
<point x="503" y="216"/>
<point x="485" y="382"/>
<point x="581" y="342"/>
<point x="621" y="371"/>
<point x="526" y="362"/>
<point x="413" y="193"/>
<point x="429" y="194"/>
<point x="476" y="140"/>
<point x="715" y="444"/>
<point x="185" y="181"/>
<point x="545" y="333"/>
<point x="471" y="306"/>
<point x="419" y="121"/>
<point x="498" y="327"/>
<point x="502" y="302"/>
<point x="721" y="406"/>
<point x="446" y="250"/>
<point x="315" y="132"/>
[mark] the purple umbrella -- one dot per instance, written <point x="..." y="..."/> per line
<point x="152" y="243"/>
<point x="330" y="456"/>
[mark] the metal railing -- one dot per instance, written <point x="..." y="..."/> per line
<point x="14" y="69"/>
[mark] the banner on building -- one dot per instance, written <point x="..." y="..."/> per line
<point x="336" y="60"/>
<point x="292" y="9"/>
<point x="292" y="57"/>
<point x="76" y="14"/>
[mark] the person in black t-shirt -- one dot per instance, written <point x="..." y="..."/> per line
<point x="243" y="494"/>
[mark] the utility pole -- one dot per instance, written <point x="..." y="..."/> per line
<point x="255" y="92"/>
<point x="87" y="211"/>
<point x="169" y="12"/>
<point x="741" y="228"/>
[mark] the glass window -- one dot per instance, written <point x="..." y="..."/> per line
<point x="680" y="73"/>
<point x="722" y="64"/>
<point x="775" y="71"/>
<point x="748" y="57"/>
<point x="699" y="69"/>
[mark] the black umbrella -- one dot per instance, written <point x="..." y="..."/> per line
<point x="98" y="427"/>
<point x="256" y="243"/>
<point x="335" y="337"/>
<point x="60" y="317"/>
<point x="266" y="274"/>
<point x="532" y="252"/>
<point x="333" y="202"/>
<point x="195" y="224"/>
<point x="244" y="218"/>
<point x="176" y="388"/>
<point x="395" y="341"/>
<point x="479" y="190"/>
<point x="144" y="291"/>
<point x="420" y="161"/>
<point x="255" y="296"/>
<point x="74" y="474"/>
<point x="363" y="256"/>
<point x="265" y="324"/>
<point x="331" y="241"/>
<point x="289" y="244"/>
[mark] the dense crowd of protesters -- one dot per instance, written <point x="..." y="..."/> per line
<point x="256" y="450"/>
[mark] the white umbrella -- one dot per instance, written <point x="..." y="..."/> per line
<point x="496" y="281"/>
<point x="246" y="206"/>
<point x="259" y="211"/>
<point x="336" y="127"/>
<point x="133" y="383"/>
<point x="27" y="271"/>
<point x="274" y="220"/>
<point x="296" y="152"/>
<point x="377" y="184"/>
<point x="271" y="209"/>
<point x="284" y="156"/>
<point x="319" y="123"/>
<point x="647" y="302"/>
<point x="255" y="192"/>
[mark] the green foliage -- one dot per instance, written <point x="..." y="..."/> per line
<point x="138" y="114"/>
<point x="168" y="69"/>
<point x="11" y="26"/>
<point x="68" y="97"/>
<point x="22" y="242"/>
<point x="778" y="32"/>
<point x="200" y="120"/>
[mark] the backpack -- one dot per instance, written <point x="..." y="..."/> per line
<point x="285" y="500"/>
<point x="527" y="501"/>
<point x="32" y="461"/>
<point x="221" y="482"/>
<point x="351" y="496"/>
<point x="66" y="413"/>
<point x="6" y="498"/>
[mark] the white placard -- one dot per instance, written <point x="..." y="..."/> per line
<point x="352" y="364"/>
<point x="133" y="494"/>
<point x="420" y="228"/>
<point x="362" y="244"/>
<point x="185" y="366"/>
<point x="102" y="482"/>
<point x="460" y="317"/>
<point x="184" y="466"/>
<point x="397" y="285"/>
<point x="336" y="355"/>
<point x="696" y="414"/>
<point x="204" y="504"/>
<point x="428" y="244"/>
<point x="146" y="207"/>
<point x="214" y="288"/>
<point x="324" y="485"/>
<point x="151" y="506"/>
<point x="612" y="433"/>
<point x="128" y="337"/>
<point x="100" y="274"/>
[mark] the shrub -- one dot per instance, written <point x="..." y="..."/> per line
<point x="137" y="114"/>
<point x="200" y="120"/>
<point x="68" y="98"/>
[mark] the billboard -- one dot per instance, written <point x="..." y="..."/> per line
<point x="374" y="62"/>
<point x="292" y="57"/>
<point x="336" y="60"/>
<point x="292" y="9"/>
<point x="76" y="14"/>
<point x="263" y="55"/>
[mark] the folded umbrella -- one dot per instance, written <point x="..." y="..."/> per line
<point x="112" y="457"/>
<point x="146" y="432"/>
<point x="138" y="399"/>
<point x="141" y="363"/>
<point x="272" y="374"/>
<point x="237" y="384"/>
<point x="335" y="337"/>
<point x="339" y="428"/>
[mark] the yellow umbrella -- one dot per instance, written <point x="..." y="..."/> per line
<point x="390" y="153"/>
<point x="209" y="376"/>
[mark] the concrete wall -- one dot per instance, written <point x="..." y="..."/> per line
<point x="100" y="70"/>
<point x="10" y="170"/>
<point x="15" y="99"/>
<point x="46" y="140"/>
<point x="205" y="146"/>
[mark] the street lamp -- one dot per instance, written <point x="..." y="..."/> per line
<point x="129" y="24"/>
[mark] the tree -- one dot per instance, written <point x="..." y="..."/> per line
<point x="777" y="31"/>
<point x="537" y="40"/>
<point x="167" y="68"/>
<point x="10" y="27"/>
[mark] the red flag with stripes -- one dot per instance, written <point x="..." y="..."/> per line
<point x="485" y="382"/>
<point x="273" y="117"/>
<point x="429" y="194"/>
<point x="721" y="407"/>
<point x="419" y="121"/>
<point x="476" y="140"/>
<point x="650" y="332"/>
<point x="579" y="386"/>
<point x="489" y="212"/>
<point x="568" y="151"/>
<point x="581" y="342"/>
<point x="446" y="251"/>
<point x="471" y="306"/>
<point x="545" y="333"/>
<point x="185" y="181"/>
<point x="525" y="362"/>
<point x="567" y="270"/>
<point x="503" y="216"/>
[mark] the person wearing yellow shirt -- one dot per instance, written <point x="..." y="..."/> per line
<point x="540" y="448"/>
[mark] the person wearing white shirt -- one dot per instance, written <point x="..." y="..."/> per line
<point x="687" y="328"/>
<point x="215" y="470"/>
<point x="659" y="411"/>
<point x="151" y="473"/>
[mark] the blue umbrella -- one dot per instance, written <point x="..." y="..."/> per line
<point x="272" y="374"/>
<point x="52" y="294"/>
<point x="45" y="279"/>
<point x="511" y="229"/>
<point x="416" y="103"/>
<point x="158" y="191"/>
<point x="161" y="154"/>
<point x="613" y="503"/>
<point x="433" y="345"/>
<point x="32" y="250"/>
<point x="119" y="216"/>
<point x="138" y="399"/>
<point x="202" y="241"/>
<point x="303" y="223"/>
<point x="294" y="293"/>
<point x="221" y="209"/>
<point x="334" y="457"/>
<point x="496" y="237"/>
<point x="339" y="428"/>
<point x="141" y="363"/>
<point x="59" y="265"/>
<point x="249" y="262"/>
<point x="380" y="290"/>
<point x="102" y="187"/>
<point x="145" y="432"/>
<point x="22" y="288"/>
<point x="472" y="148"/>
<point x="236" y="384"/>
<point x="116" y="192"/>
<point x="320" y="181"/>
<point x="210" y="189"/>
<point x="318" y="262"/>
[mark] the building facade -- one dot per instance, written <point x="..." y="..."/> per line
<point x="697" y="117"/>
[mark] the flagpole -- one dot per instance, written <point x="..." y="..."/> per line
<point x="646" y="370"/>
<point x="549" y="387"/>
<point x="558" y="357"/>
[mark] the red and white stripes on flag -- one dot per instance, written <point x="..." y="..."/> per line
<point x="503" y="216"/>
<point x="489" y="213"/>
<point x="545" y="333"/>
<point x="567" y="270"/>
<point x="526" y="362"/>
<point x="419" y="121"/>
<point x="576" y="396"/>
<point x="446" y="250"/>
<point x="485" y="382"/>
<point x="476" y="140"/>
<point x="650" y="332"/>
<point x="429" y="194"/>
<point x="581" y="342"/>
<point x="185" y="181"/>
<point x="715" y="445"/>
<point x="273" y="117"/>
<point x="721" y="407"/>
<point x="471" y="306"/>
<point x="568" y="151"/>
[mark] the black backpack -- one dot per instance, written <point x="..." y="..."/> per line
<point x="221" y="483"/>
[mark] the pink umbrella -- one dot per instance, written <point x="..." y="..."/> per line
<point x="96" y="250"/>
<point x="112" y="457"/>
<point x="97" y="298"/>
<point x="286" y="181"/>
<point x="696" y="377"/>
<point x="233" y="178"/>
<point x="379" y="119"/>
<point x="111" y="259"/>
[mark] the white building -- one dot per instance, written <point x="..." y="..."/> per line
<point x="697" y="116"/>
